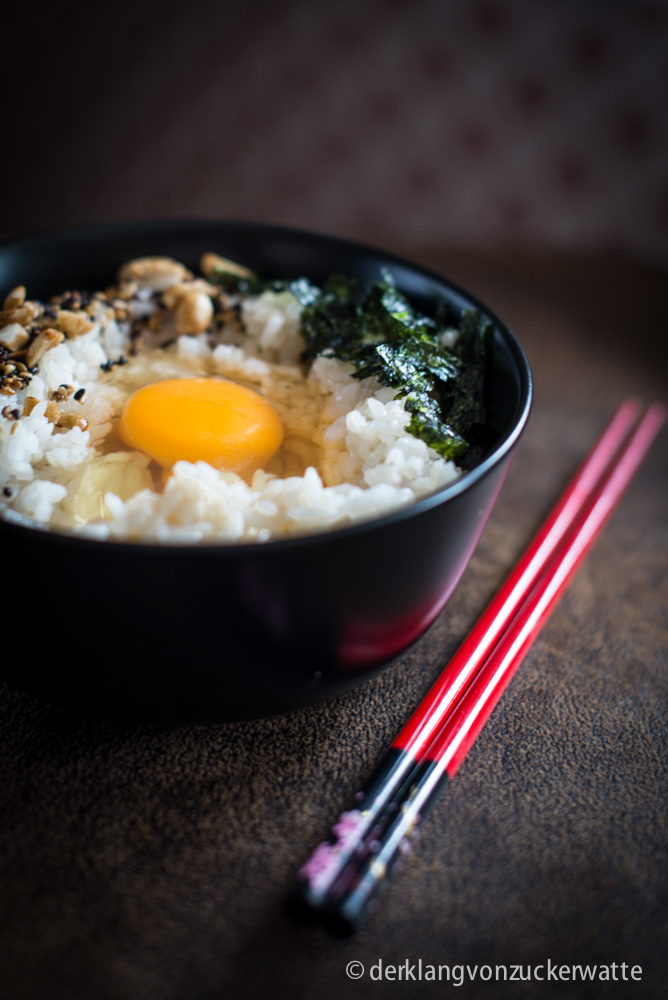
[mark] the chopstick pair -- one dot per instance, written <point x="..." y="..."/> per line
<point x="339" y="882"/>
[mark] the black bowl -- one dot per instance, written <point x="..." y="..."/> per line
<point x="220" y="632"/>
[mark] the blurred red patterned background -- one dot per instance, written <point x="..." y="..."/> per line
<point x="414" y="124"/>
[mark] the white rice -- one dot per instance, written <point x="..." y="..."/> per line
<point x="346" y="456"/>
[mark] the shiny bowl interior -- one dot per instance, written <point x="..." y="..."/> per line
<point x="175" y="634"/>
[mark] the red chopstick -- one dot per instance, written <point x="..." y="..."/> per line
<point x="459" y="732"/>
<point x="342" y="876"/>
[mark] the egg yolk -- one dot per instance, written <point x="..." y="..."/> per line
<point x="202" y="419"/>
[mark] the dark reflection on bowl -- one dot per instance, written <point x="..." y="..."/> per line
<point x="191" y="634"/>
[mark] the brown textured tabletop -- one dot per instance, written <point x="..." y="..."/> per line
<point x="151" y="864"/>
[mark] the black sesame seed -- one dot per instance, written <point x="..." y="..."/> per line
<point x="79" y="394"/>
<point x="7" y="491"/>
<point x="106" y="366"/>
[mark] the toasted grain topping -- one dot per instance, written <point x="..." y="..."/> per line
<point x="45" y="320"/>
<point x="62" y="393"/>
<point x="156" y="273"/>
<point x="226" y="316"/>
<point x="29" y="405"/>
<point x="7" y="391"/>
<point x="194" y="313"/>
<point x="43" y="342"/>
<point x="10" y="413"/>
<point x="121" y="310"/>
<point x="212" y="264"/>
<point x="155" y="322"/>
<point x="103" y="314"/>
<point x="126" y="289"/>
<point x="14" y="337"/>
<point x="16" y="298"/>
<point x="74" y="324"/>
<point x="52" y="412"/>
<point x="69" y="420"/>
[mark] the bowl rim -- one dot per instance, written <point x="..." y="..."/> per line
<point x="425" y="503"/>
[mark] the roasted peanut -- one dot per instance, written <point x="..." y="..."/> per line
<point x="156" y="273"/>
<point x="16" y="298"/>
<point x="22" y="314"/>
<point x="171" y="296"/>
<point x="212" y="263"/>
<point x="194" y="313"/>
<point x="43" y="342"/>
<point x="74" y="324"/>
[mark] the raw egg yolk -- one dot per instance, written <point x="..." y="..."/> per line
<point x="202" y="419"/>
